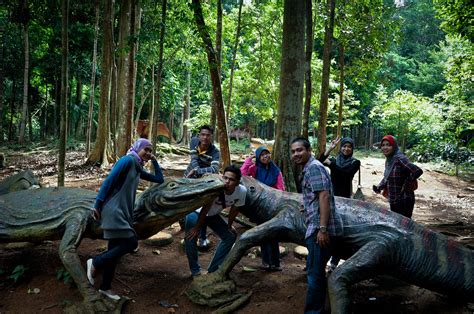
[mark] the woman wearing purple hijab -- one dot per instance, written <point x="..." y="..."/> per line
<point x="114" y="208"/>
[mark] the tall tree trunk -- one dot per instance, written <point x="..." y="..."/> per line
<point x="234" y="55"/>
<point x="123" y="79"/>
<point x="308" y="56"/>
<point x="156" y="108"/>
<point x="26" y="69"/>
<point x="143" y="97"/>
<point x="341" y="89"/>
<point x="76" y="131"/>
<point x="113" y="102"/>
<point x="101" y="154"/>
<point x="12" y="111"/>
<point x="218" y="61"/>
<point x="92" y="90"/>
<point x="64" y="91"/>
<point x="292" y="72"/>
<point x="323" y="106"/>
<point x="134" y="27"/>
<point x="2" y="79"/>
<point x="187" y="105"/>
<point x="216" y="83"/>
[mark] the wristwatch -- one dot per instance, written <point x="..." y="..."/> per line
<point x="323" y="229"/>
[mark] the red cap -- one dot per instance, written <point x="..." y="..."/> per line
<point x="391" y="139"/>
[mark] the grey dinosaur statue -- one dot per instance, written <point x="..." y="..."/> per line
<point x="64" y="214"/>
<point x="375" y="241"/>
<point x="23" y="180"/>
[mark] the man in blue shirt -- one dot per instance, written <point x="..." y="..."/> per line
<point x="323" y="222"/>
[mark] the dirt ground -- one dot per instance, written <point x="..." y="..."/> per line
<point x="156" y="277"/>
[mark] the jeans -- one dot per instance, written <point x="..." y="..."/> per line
<point x="202" y="232"/>
<point x="219" y="226"/>
<point x="107" y="261"/>
<point x="271" y="253"/>
<point x="316" y="273"/>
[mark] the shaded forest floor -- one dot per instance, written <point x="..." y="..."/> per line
<point x="443" y="203"/>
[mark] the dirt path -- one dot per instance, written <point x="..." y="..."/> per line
<point x="148" y="278"/>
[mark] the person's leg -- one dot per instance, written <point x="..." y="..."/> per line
<point x="266" y="259"/>
<point x="220" y="227"/>
<point x="316" y="264"/>
<point x="202" y="241"/>
<point x="190" y="245"/>
<point x="274" y="254"/>
<point x="107" y="261"/>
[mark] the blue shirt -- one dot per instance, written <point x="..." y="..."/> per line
<point x="317" y="179"/>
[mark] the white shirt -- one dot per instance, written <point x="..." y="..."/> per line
<point x="237" y="199"/>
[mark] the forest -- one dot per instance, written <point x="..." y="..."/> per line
<point x="84" y="73"/>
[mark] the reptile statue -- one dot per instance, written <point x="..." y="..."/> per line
<point x="64" y="214"/>
<point x="23" y="180"/>
<point x="375" y="241"/>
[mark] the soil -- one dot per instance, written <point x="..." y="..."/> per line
<point x="157" y="278"/>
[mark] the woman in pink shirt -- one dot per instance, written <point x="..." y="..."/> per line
<point x="268" y="173"/>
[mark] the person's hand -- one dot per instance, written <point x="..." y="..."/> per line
<point x="327" y="162"/>
<point x="193" y="233"/>
<point x="95" y="214"/>
<point x="322" y="238"/>
<point x="335" y="142"/>
<point x="252" y="155"/>
<point x="233" y="230"/>
<point x="376" y="189"/>
<point x="152" y="157"/>
<point x="191" y="173"/>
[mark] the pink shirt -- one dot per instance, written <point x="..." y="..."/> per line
<point x="250" y="169"/>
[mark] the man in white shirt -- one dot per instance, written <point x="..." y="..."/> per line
<point x="234" y="195"/>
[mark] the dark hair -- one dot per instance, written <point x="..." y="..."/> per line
<point x="234" y="169"/>
<point x="206" y="127"/>
<point x="302" y="140"/>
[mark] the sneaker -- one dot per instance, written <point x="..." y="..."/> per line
<point x="90" y="276"/>
<point x="110" y="294"/>
<point x="275" y="268"/>
<point x="203" y="243"/>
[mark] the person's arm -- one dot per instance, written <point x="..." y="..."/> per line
<point x="414" y="170"/>
<point x="322" y="238"/>
<point x="194" y="232"/>
<point x="157" y="177"/>
<point x="245" y="169"/>
<point x="233" y="212"/>
<point x="280" y="184"/>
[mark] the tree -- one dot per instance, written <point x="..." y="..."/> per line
<point x="64" y="91"/>
<point x="308" y="56"/>
<point x="291" y="87"/>
<point x="323" y="105"/>
<point x="216" y="82"/>
<point x="457" y="17"/>
<point x="24" y="19"/>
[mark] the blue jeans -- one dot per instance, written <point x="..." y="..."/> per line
<point x="219" y="226"/>
<point x="316" y="272"/>
<point x="107" y="261"/>
<point x="271" y="253"/>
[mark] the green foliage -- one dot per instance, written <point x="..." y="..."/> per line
<point x="18" y="272"/>
<point x="64" y="276"/>
<point x="240" y="147"/>
<point x="457" y="16"/>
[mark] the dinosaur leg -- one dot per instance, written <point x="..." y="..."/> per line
<point x="75" y="227"/>
<point x="365" y="263"/>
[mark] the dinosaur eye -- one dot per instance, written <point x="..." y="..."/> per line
<point x="172" y="185"/>
<point x="252" y="189"/>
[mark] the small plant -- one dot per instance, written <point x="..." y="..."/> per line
<point x="18" y="273"/>
<point x="63" y="275"/>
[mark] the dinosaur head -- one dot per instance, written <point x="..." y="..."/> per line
<point x="164" y="204"/>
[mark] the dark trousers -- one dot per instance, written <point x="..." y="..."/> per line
<point x="271" y="253"/>
<point x="403" y="206"/>
<point x="107" y="261"/>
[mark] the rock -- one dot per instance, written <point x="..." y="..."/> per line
<point x="18" y="245"/>
<point x="301" y="252"/>
<point x="159" y="239"/>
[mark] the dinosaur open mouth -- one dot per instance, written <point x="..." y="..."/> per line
<point x="192" y="195"/>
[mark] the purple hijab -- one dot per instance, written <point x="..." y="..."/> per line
<point x="137" y="147"/>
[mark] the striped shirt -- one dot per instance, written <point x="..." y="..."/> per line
<point x="203" y="161"/>
<point x="317" y="179"/>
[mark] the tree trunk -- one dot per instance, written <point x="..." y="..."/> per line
<point x="291" y="87"/>
<point x="134" y="28"/>
<point x="2" y="81"/>
<point x="142" y="96"/>
<point x="12" y="111"/>
<point x="92" y="91"/>
<point x="156" y="108"/>
<point x="187" y="105"/>
<point x="216" y="83"/>
<point x="232" y="65"/>
<point x="218" y="61"/>
<point x="309" y="53"/>
<point x="21" y="138"/>
<point x="64" y="91"/>
<point x="123" y="79"/>
<point x="341" y="89"/>
<point x="101" y="154"/>
<point x="323" y="107"/>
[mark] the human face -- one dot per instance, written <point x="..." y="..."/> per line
<point x="299" y="154"/>
<point x="265" y="157"/>
<point x="205" y="138"/>
<point x="346" y="149"/>
<point x="230" y="182"/>
<point x="146" y="153"/>
<point x="387" y="148"/>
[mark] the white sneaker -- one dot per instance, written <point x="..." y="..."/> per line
<point x="202" y="243"/>
<point x="110" y="294"/>
<point x="89" y="271"/>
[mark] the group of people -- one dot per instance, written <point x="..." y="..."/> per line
<point x="114" y="203"/>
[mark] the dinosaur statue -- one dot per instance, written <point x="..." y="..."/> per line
<point x="23" y="180"/>
<point x="375" y="241"/>
<point x="64" y="214"/>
